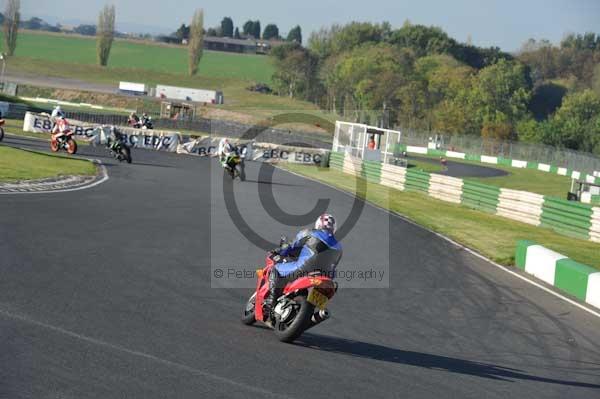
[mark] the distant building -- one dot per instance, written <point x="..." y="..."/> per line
<point x="248" y="46"/>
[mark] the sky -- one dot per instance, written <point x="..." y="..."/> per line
<point x="503" y="23"/>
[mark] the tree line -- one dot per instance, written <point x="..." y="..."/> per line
<point x="425" y="80"/>
<point x="105" y="33"/>
<point x="250" y="30"/>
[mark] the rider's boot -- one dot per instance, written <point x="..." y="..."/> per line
<point x="274" y="292"/>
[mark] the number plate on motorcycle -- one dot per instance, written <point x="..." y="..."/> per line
<point x="317" y="299"/>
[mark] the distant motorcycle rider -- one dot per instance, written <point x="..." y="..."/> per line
<point x="146" y="121"/>
<point x="224" y="151"/>
<point x="312" y="250"/>
<point x="57" y="112"/>
<point x="114" y="138"/>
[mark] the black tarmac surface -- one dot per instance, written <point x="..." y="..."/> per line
<point x="459" y="169"/>
<point x="106" y="293"/>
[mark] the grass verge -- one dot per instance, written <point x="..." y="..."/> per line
<point x="493" y="236"/>
<point x="16" y="164"/>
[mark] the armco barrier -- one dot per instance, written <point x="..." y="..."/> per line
<point x="445" y="188"/>
<point x="371" y="171"/>
<point x="417" y="181"/>
<point x="595" y="228"/>
<point x="480" y="196"/>
<point x="336" y="160"/>
<point x="352" y="166"/>
<point x="567" y="217"/>
<point x="574" y="278"/>
<point x="520" y="205"/>
<point x="393" y="176"/>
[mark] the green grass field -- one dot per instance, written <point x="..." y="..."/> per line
<point x="493" y="236"/>
<point x="18" y="164"/>
<point x="130" y="55"/>
<point x="534" y="181"/>
<point x="73" y="57"/>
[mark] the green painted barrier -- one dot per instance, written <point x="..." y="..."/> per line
<point x="417" y="180"/>
<point x="569" y="276"/>
<point x="480" y="196"/>
<point x="371" y="171"/>
<point x="567" y="217"/>
<point x="504" y="161"/>
<point x="572" y="277"/>
<point x="336" y="160"/>
<point x="521" y="253"/>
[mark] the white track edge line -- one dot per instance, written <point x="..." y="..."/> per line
<point x="104" y="178"/>
<point x="461" y="246"/>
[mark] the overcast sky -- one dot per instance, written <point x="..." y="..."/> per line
<point x="505" y="23"/>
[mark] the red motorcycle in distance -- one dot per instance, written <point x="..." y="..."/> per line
<point x="302" y="305"/>
<point x="62" y="137"/>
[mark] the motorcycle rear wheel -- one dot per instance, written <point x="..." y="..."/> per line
<point x="1" y="133"/>
<point x="248" y="317"/>
<point x="126" y="154"/>
<point x="289" y="331"/>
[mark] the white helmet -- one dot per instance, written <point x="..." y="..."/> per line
<point x="57" y="108"/>
<point x="326" y="222"/>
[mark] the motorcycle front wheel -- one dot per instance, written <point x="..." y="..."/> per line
<point x="248" y="315"/>
<point x="71" y="146"/>
<point x="294" y="325"/>
<point x="54" y="145"/>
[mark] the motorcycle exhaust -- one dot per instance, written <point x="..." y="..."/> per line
<point x="319" y="317"/>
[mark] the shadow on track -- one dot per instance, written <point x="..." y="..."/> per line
<point x="418" y="359"/>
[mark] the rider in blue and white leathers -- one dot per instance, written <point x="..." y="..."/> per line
<point x="312" y="250"/>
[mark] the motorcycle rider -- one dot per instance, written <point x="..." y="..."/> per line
<point x="60" y="127"/>
<point x="133" y="120"/>
<point x="57" y="112"/>
<point x="114" y="138"/>
<point x="224" y="151"/>
<point x="312" y="250"/>
<point x="146" y="121"/>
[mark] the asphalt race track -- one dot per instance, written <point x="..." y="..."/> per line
<point x="459" y="169"/>
<point x="106" y="293"/>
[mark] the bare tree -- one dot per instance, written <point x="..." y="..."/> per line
<point x="105" y="33"/>
<point x="12" y="18"/>
<point x="196" y="42"/>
